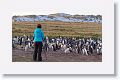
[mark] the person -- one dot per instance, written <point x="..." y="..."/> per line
<point x="38" y="39"/>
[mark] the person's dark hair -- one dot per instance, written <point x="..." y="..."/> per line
<point x="39" y="26"/>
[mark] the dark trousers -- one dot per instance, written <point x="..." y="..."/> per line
<point x="37" y="51"/>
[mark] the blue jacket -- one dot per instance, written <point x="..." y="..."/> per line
<point x="38" y="35"/>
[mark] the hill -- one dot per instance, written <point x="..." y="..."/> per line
<point x="58" y="17"/>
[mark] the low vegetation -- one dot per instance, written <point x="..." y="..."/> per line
<point x="54" y="29"/>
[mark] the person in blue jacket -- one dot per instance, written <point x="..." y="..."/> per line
<point x="38" y="39"/>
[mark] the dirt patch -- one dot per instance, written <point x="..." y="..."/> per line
<point x="19" y="55"/>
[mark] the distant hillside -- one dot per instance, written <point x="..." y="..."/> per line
<point x="58" y="17"/>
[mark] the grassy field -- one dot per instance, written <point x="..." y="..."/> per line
<point x="54" y="29"/>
